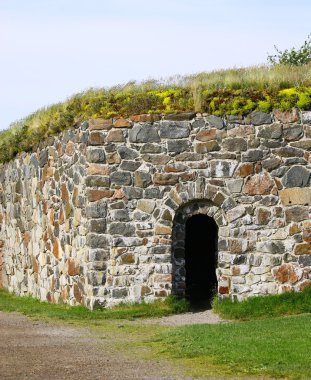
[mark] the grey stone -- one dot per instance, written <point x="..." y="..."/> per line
<point x="236" y="144"/>
<point x="181" y="116"/>
<point x="120" y="228"/>
<point x="177" y="146"/>
<point x="132" y="192"/>
<point x="97" y="181"/>
<point x="199" y="123"/>
<point x="120" y="215"/>
<point x="98" y="225"/>
<point x="222" y="169"/>
<point x="97" y="240"/>
<point x="292" y="132"/>
<point x="130" y="165"/>
<point x="119" y="292"/>
<point x="273" y="247"/>
<point x="279" y="172"/>
<point x="306" y="117"/>
<point x="151" y="148"/>
<point x="305" y="260"/>
<point x="153" y="192"/>
<point x="143" y="133"/>
<point x="273" y="131"/>
<point x="271" y="163"/>
<point x="96" y="155"/>
<point x="127" y="153"/>
<point x="297" y="176"/>
<point x="270" y="200"/>
<point x="174" y="130"/>
<point x="252" y="155"/>
<point x="98" y="254"/>
<point x="259" y="118"/>
<point x="215" y="121"/>
<point x="97" y="210"/>
<point x="142" y="179"/>
<point x="43" y="158"/>
<point x="121" y="178"/>
<point x="295" y="161"/>
<point x="288" y="151"/>
<point x="235" y="185"/>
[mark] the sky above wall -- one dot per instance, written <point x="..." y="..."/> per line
<point x="51" y="49"/>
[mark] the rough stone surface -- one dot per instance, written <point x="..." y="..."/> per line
<point x="99" y="216"/>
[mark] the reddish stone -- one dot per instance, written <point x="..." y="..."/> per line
<point x="56" y="248"/>
<point x="118" y="194"/>
<point x="98" y="169"/>
<point x="26" y="238"/>
<point x="122" y="123"/>
<point x="35" y="266"/>
<point x="244" y="170"/>
<point x="286" y="273"/>
<point x="185" y="177"/>
<point x="259" y="184"/>
<point x="145" y="118"/>
<point x="73" y="267"/>
<point x="70" y="148"/>
<point x="223" y="290"/>
<point x="304" y="284"/>
<point x="287" y="117"/>
<point x="96" y="195"/>
<point x="45" y="207"/>
<point x="95" y="124"/>
<point x="306" y="235"/>
<point x="128" y="258"/>
<point x="207" y="134"/>
<point x="75" y="196"/>
<point x="161" y="293"/>
<point x="61" y="216"/>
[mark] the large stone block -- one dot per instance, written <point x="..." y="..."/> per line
<point x="297" y="176"/>
<point x="296" y="196"/>
<point x="174" y="130"/>
<point x="259" y="184"/>
<point x="144" y="133"/>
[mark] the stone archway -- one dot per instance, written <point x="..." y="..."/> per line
<point x="195" y="252"/>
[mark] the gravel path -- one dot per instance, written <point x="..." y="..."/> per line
<point x="198" y="317"/>
<point x="37" y="350"/>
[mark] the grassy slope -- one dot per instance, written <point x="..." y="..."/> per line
<point x="276" y="347"/>
<point x="234" y="91"/>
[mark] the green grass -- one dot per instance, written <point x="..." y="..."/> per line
<point x="277" y="347"/>
<point x="34" y="308"/>
<point x="235" y="91"/>
<point x="265" y="307"/>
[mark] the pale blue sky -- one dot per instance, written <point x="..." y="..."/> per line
<point x="51" y="49"/>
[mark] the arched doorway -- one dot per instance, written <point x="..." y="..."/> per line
<point x="201" y="236"/>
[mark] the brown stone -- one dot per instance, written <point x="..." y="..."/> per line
<point x="96" y="195"/>
<point x="100" y="124"/>
<point x="296" y="214"/>
<point x="77" y="293"/>
<point x="98" y="169"/>
<point x="128" y="258"/>
<point x="118" y="194"/>
<point x="286" y="273"/>
<point x="206" y="147"/>
<point x="286" y="116"/>
<point x="145" y="118"/>
<point x="186" y="177"/>
<point x="96" y="138"/>
<point x="306" y="235"/>
<point x="122" y="123"/>
<point x="61" y="216"/>
<point x="156" y="159"/>
<point x="162" y="278"/>
<point x="115" y="135"/>
<point x="113" y="158"/>
<point x="294" y="229"/>
<point x="262" y="216"/>
<point x="64" y="192"/>
<point x="73" y="267"/>
<point x="70" y="148"/>
<point x="145" y="290"/>
<point x="35" y="266"/>
<point x="244" y="170"/>
<point x="26" y="238"/>
<point x="259" y="184"/>
<point x="162" y="230"/>
<point x="207" y="135"/>
<point x="165" y="179"/>
<point x="302" y="249"/>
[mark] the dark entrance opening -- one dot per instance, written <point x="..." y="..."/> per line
<point x="201" y="260"/>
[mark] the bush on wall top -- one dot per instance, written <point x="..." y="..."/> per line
<point x="233" y="91"/>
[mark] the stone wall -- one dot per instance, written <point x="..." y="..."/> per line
<point x="97" y="215"/>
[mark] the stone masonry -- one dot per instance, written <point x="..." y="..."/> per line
<point x="97" y="214"/>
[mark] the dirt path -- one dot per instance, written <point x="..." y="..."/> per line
<point x="46" y="350"/>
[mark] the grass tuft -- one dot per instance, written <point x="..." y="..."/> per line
<point x="35" y="308"/>
<point x="265" y="307"/>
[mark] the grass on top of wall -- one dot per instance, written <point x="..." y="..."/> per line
<point x="32" y="307"/>
<point x="237" y="91"/>
<point x="265" y="306"/>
